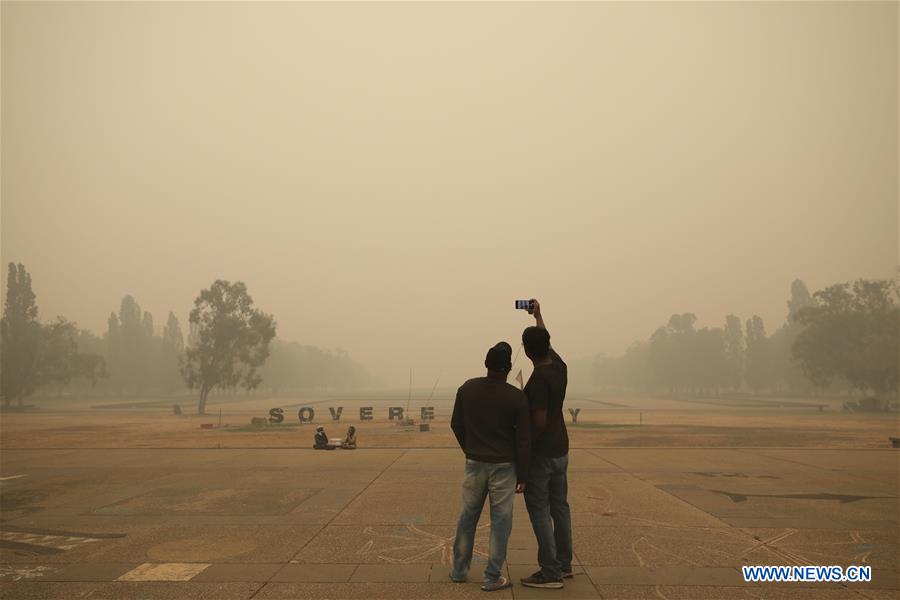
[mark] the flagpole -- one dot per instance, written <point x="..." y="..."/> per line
<point x="519" y="376"/>
<point x="409" y="397"/>
<point x="516" y="359"/>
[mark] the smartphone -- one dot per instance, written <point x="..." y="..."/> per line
<point x="524" y="304"/>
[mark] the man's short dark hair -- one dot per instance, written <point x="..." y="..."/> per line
<point x="536" y="341"/>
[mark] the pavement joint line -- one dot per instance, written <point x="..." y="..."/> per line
<point x="795" y="462"/>
<point x="737" y="530"/>
<point x="336" y="515"/>
<point x="621" y="468"/>
<point x="584" y="572"/>
<point x="858" y="591"/>
<point x="169" y="571"/>
<point x="253" y="595"/>
<point x="808" y="465"/>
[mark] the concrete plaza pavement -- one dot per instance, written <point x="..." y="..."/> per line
<point x="379" y="523"/>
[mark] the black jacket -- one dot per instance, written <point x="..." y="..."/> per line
<point x="492" y="423"/>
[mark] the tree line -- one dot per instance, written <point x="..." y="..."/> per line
<point x="230" y="345"/>
<point x="842" y="337"/>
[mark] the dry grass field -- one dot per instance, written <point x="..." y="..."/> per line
<point x="617" y="422"/>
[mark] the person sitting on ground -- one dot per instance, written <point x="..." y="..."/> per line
<point x="349" y="442"/>
<point x="321" y="440"/>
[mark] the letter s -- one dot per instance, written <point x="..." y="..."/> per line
<point x="276" y="415"/>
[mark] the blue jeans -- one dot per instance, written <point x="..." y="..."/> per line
<point x="548" y="509"/>
<point x="482" y="479"/>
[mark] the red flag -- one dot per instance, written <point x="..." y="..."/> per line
<point x="519" y="379"/>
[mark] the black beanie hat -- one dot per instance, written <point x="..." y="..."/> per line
<point x="499" y="358"/>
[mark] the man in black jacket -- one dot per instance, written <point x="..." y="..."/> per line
<point x="491" y="423"/>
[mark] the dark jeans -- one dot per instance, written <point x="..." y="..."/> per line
<point x="548" y="508"/>
<point x="497" y="480"/>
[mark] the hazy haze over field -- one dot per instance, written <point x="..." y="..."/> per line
<point x="388" y="178"/>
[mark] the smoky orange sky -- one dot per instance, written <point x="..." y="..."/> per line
<point x="388" y="178"/>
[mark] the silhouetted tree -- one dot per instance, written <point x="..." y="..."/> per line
<point x="132" y="347"/>
<point x="33" y="354"/>
<point x="758" y="370"/>
<point x="90" y="362"/>
<point x="230" y="342"/>
<point x="134" y="353"/>
<point x="57" y="365"/>
<point x="631" y="371"/>
<point x="669" y="359"/>
<point x="147" y="324"/>
<point x="734" y="351"/>
<point x="852" y="333"/>
<point x="172" y="337"/>
<point x="172" y="350"/>
<point x="786" y="372"/>
<point x="90" y="367"/>
<point x="61" y="361"/>
<point x="632" y="367"/>
<point x="709" y="363"/>
<point x="113" y="349"/>
<point x="800" y="299"/>
<point x="20" y="337"/>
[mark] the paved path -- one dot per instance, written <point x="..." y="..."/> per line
<point x="648" y="523"/>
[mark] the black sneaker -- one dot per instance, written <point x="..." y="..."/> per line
<point x="567" y="574"/>
<point x="539" y="581"/>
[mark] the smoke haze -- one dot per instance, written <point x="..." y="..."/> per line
<point x="389" y="178"/>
